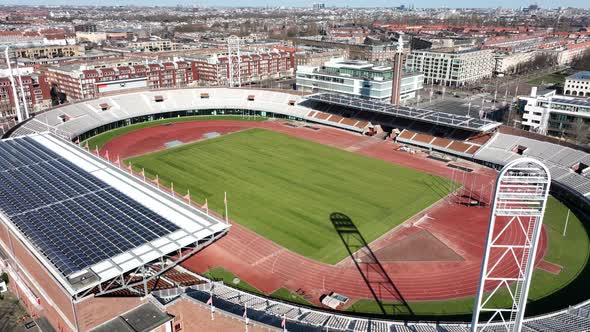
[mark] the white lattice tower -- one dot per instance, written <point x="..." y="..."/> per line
<point x="234" y="61"/>
<point x="514" y="229"/>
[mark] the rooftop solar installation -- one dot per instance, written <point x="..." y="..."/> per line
<point x="81" y="213"/>
<point x="577" y="102"/>
<point x="434" y="117"/>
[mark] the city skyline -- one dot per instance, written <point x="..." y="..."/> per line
<point x="308" y="3"/>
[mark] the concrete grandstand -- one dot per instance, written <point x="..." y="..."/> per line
<point x="473" y="139"/>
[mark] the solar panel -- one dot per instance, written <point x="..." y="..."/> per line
<point x="441" y="118"/>
<point x="74" y="219"/>
<point x="571" y="102"/>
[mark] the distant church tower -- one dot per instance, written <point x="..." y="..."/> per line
<point x="397" y="72"/>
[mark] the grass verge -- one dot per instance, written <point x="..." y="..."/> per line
<point x="228" y="278"/>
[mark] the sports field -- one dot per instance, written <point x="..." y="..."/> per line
<point x="285" y="188"/>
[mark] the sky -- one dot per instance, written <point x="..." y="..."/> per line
<point x="308" y="3"/>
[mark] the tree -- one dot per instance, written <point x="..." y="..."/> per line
<point x="581" y="131"/>
<point x="312" y="29"/>
<point x="582" y="62"/>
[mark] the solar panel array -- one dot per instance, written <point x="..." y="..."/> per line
<point x="74" y="219"/>
<point x="576" y="102"/>
<point x="431" y="116"/>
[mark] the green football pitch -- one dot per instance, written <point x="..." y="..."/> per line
<point x="285" y="188"/>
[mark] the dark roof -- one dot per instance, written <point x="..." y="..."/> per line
<point x="144" y="318"/>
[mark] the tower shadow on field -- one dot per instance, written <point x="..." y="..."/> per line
<point x="371" y="270"/>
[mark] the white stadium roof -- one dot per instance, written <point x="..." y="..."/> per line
<point x="85" y="219"/>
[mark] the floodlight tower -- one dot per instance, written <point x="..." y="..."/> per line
<point x="514" y="229"/>
<point x="20" y="117"/>
<point x="233" y="47"/>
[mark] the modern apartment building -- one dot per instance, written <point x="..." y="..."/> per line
<point x="357" y="78"/>
<point x="508" y="62"/>
<point x="79" y="82"/>
<point x="578" y="84"/>
<point x="50" y="52"/>
<point x="452" y="67"/>
<point x="551" y="114"/>
<point x="157" y="45"/>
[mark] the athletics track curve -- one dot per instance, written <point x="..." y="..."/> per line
<point x="268" y="266"/>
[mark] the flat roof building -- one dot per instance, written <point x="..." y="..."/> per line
<point x="547" y="113"/>
<point x="452" y="67"/>
<point x="357" y="78"/>
<point x="578" y="84"/>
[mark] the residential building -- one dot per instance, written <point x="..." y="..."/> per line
<point x="371" y="50"/>
<point x="38" y="38"/>
<point x="357" y="78"/>
<point x="80" y="82"/>
<point x="88" y="56"/>
<point x="36" y="92"/>
<point x="547" y="113"/>
<point x="50" y="52"/>
<point x="452" y="67"/>
<point x="153" y="45"/>
<point x="316" y="56"/>
<point x="88" y="27"/>
<point x="566" y="54"/>
<point x="508" y="62"/>
<point x="93" y="37"/>
<point x="255" y="67"/>
<point x="578" y="84"/>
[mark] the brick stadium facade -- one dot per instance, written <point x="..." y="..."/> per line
<point x="43" y="296"/>
<point x="36" y="90"/>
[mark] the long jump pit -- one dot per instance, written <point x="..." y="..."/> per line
<point x="434" y="255"/>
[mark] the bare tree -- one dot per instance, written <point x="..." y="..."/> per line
<point x="581" y="131"/>
<point x="582" y="62"/>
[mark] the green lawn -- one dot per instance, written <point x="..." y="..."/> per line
<point x="221" y="274"/>
<point x="287" y="295"/>
<point x="285" y="188"/>
<point x="102" y="139"/>
<point x="549" y="79"/>
<point x="570" y="251"/>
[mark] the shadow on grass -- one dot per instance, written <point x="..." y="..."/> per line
<point x="438" y="185"/>
<point x="575" y="292"/>
<point x="371" y="270"/>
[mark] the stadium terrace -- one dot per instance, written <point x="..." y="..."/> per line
<point x="144" y="232"/>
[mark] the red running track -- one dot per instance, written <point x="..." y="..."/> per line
<point x="269" y="266"/>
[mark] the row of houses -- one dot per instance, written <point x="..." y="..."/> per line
<point x="85" y="81"/>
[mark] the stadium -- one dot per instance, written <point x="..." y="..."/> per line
<point x="137" y="211"/>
